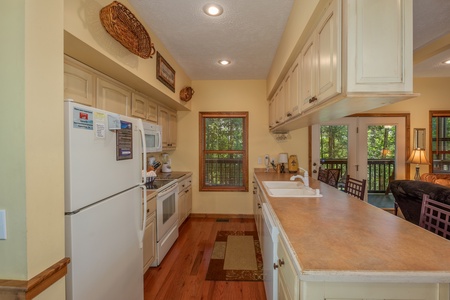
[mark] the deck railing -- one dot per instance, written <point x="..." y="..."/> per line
<point x="379" y="172"/>
<point x="228" y="172"/>
<point x="223" y="172"/>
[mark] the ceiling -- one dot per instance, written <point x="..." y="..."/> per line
<point x="248" y="35"/>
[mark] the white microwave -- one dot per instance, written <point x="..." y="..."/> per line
<point x="153" y="137"/>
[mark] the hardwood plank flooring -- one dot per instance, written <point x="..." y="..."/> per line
<point x="181" y="275"/>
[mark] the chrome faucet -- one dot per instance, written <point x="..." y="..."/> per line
<point x="304" y="178"/>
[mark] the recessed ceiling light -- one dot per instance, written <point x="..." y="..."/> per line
<point x="447" y="62"/>
<point x="213" y="10"/>
<point x="224" y="62"/>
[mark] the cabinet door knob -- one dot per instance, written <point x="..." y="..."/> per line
<point x="259" y="205"/>
<point x="275" y="266"/>
<point x="281" y="262"/>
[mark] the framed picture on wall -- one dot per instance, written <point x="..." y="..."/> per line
<point x="419" y="138"/>
<point x="164" y="72"/>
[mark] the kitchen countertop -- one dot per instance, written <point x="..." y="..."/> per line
<point x="174" y="175"/>
<point x="343" y="237"/>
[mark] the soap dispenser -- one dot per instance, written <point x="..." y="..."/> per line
<point x="293" y="164"/>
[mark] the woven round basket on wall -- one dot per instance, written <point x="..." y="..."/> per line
<point x="123" y="26"/>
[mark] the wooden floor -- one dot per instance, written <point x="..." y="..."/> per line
<point x="181" y="275"/>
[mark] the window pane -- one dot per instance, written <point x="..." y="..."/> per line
<point x="223" y="151"/>
<point x="223" y="169"/>
<point x="224" y="133"/>
<point x="334" y="149"/>
<point x="440" y="144"/>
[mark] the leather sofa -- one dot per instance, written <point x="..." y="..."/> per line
<point x="442" y="179"/>
<point x="408" y="196"/>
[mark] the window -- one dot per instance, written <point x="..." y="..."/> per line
<point x="440" y="141"/>
<point x="223" y="151"/>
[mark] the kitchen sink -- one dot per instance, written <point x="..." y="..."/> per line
<point x="290" y="189"/>
<point x="305" y="192"/>
<point x="283" y="184"/>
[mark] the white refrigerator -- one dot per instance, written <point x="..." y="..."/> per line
<point x="104" y="213"/>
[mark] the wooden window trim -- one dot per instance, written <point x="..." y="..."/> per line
<point x="203" y="152"/>
<point x="434" y="113"/>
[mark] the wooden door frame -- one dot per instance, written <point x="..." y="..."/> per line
<point x="407" y="117"/>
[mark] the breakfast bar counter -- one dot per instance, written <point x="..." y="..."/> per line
<point x="339" y="238"/>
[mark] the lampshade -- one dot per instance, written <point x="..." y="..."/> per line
<point x="283" y="158"/>
<point x="418" y="157"/>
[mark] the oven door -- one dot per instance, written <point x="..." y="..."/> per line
<point x="166" y="209"/>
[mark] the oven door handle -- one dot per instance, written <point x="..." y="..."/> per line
<point x="144" y="216"/>
<point x="167" y="190"/>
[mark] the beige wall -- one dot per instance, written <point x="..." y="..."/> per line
<point x="87" y="40"/>
<point x="434" y="95"/>
<point x="32" y="174"/>
<point x="224" y="96"/>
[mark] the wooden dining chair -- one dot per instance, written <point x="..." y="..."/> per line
<point x="333" y="177"/>
<point x="355" y="187"/>
<point x="322" y="175"/>
<point x="435" y="217"/>
<point x="329" y="176"/>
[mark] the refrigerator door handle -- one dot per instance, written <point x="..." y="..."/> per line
<point x="144" y="153"/>
<point x="144" y="216"/>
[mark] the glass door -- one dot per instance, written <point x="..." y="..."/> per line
<point x="371" y="148"/>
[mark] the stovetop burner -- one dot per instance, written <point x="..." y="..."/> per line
<point x="158" y="183"/>
<point x="172" y="175"/>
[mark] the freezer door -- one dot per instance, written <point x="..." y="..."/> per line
<point x="102" y="242"/>
<point x="92" y="168"/>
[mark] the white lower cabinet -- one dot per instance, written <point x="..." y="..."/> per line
<point x="373" y="291"/>
<point x="288" y="281"/>
<point x="257" y="208"/>
<point x="184" y="199"/>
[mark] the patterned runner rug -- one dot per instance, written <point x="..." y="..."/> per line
<point x="236" y="256"/>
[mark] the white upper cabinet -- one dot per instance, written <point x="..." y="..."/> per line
<point x="328" y="45"/>
<point x="308" y="75"/>
<point x="292" y="102"/>
<point x="78" y="85"/>
<point x="357" y="57"/>
<point x="167" y="118"/>
<point x="142" y="107"/>
<point x="379" y="48"/>
<point x="272" y="113"/>
<point x="321" y="60"/>
<point x="113" y="97"/>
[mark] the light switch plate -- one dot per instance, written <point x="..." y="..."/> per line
<point x="2" y="224"/>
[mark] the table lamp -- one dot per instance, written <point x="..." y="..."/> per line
<point x="282" y="159"/>
<point x="418" y="157"/>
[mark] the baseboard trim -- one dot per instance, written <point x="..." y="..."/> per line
<point x="28" y="289"/>
<point x="222" y="216"/>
